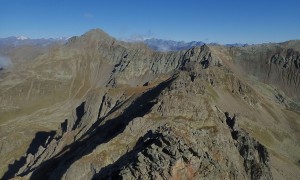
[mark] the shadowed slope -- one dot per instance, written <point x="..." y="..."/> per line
<point x="55" y="167"/>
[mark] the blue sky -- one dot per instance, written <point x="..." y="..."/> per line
<point x="230" y="21"/>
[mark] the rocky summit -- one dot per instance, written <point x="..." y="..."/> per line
<point x="98" y="108"/>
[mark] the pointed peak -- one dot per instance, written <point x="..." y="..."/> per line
<point x="91" y="37"/>
<point x="98" y="34"/>
<point x="96" y="30"/>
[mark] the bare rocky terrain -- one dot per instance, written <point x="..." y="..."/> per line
<point x="98" y="108"/>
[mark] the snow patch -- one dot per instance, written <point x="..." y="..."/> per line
<point x="22" y="38"/>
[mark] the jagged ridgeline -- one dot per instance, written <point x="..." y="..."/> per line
<point x="98" y="108"/>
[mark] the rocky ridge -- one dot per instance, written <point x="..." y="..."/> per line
<point x="146" y="114"/>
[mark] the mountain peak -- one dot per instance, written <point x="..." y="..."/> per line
<point x="92" y="36"/>
<point x="98" y="34"/>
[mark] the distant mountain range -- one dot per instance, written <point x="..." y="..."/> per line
<point x="153" y="43"/>
<point x="9" y="43"/>
<point x="170" y="45"/>
<point x="22" y="40"/>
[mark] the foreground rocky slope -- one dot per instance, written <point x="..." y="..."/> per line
<point x="103" y="109"/>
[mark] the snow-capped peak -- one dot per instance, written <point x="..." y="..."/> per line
<point x="22" y="37"/>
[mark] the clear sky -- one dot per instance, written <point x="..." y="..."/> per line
<point x="227" y="21"/>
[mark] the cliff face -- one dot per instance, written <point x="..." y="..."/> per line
<point x="125" y="111"/>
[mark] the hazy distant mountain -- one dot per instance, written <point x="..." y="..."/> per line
<point x="16" y="49"/>
<point x="170" y="45"/>
<point x="237" y="45"/>
<point x="22" y="40"/>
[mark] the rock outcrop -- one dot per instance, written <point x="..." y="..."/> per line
<point x="255" y="155"/>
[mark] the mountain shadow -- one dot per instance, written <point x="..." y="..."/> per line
<point x="79" y="113"/>
<point x="55" y="167"/>
<point x="40" y="139"/>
